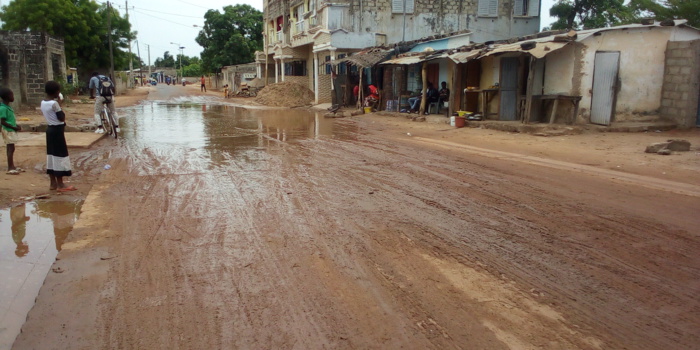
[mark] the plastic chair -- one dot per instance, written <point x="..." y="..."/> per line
<point x="437" y="108"/>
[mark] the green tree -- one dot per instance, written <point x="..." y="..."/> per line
<point x="192" y="70"/>
<point x="167" y="61"/>
<point x="669" y="9"/>
<point x="81" y="23"/>
<point x="124" y="63"/>
<point x="587" y="14"/>
<point x="231" y="37"/>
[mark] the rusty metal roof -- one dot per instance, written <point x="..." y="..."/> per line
<point x="464" y="57"/>
<point x="540" y="50"/>
<point x="408" y="60"/>
<point x="366" y="58"/>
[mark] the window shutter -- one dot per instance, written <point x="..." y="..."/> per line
<point x="534" y="10"/>
<point x="397" y="6"/>
<point x="483" y="7"/>
<point x="518" y="7"/>
<point x="410" y="5"/>
<point x="493" y="8"/>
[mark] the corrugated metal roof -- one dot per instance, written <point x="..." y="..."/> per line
<point x="463" y="57"/>
<point x="540" y="50"/>
<point x="414" y="59"/>
<point x="364" y="58"/>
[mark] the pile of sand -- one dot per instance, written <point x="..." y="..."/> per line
<point x="285" y="94"/>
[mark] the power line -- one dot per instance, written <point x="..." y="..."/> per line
<point x="165" y="13"/>
<point x="162" y="19"/>
<point x="185" y="2"/>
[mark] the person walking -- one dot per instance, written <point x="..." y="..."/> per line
<point x="57" y="159"/>
<point x="203" y="87"/>
<point x="9" y="128"/>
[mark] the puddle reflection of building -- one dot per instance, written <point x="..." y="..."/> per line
<point x="19" y="229"/>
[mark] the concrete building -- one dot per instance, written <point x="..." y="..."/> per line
<point x="27" y="61"/>
<point x="635" y="72"/>
<point x="233" y="76"/>
<point x="300" y="35"/>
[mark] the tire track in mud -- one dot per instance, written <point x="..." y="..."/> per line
<point x="608" y="260"/>
<point x="365" y="242"/>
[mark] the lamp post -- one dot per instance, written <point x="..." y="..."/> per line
<point x="181" y="48"/>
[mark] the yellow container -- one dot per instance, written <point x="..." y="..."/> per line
<point x="368" y="110"/>
<point x="463" y="113"/>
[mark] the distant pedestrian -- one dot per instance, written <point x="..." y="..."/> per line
<point x="203" y="87"/>
<point x="57" y="159"/>
<point x="9" y="128"/>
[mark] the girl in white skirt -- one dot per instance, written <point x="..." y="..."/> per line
<point x="57" y="160"/>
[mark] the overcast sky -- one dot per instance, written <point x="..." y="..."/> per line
<point x="160" y="22"/>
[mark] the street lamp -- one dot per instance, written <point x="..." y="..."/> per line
<point x="181" y="48"/>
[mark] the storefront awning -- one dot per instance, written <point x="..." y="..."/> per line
<point x="415" y="59"/>
<point x="540" y="50"/>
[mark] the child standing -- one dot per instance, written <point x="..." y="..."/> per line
<point x="57" y="160"/>
<point x="9" y="128"/>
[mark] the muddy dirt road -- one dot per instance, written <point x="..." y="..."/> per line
<point x="219" y="227"/>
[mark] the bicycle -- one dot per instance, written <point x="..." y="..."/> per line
<point x="107" y="119"/>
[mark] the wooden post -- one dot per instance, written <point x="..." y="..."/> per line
<point x="453" y="98"/>
<point x="423" y="101"/>
<point x="525" y="118"/>
<point x="361" y="90"/>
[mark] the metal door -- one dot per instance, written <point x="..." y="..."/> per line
<point x="509" y="88"/>
<point x="605" y="70"/>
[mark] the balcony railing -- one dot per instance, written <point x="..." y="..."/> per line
<point x="313" y="21"/>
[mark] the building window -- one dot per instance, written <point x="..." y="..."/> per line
<point x="329" y="68"/>
<point x="343" y="67"/>
<point x="295" y="68"/>
<point x="488" y="8"/>
<point x="397" y="6"/>
<point x="528" y="8"/>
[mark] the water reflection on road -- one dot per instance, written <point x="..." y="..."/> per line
<point x="222" y="127"/>
<point x="31" y="235"/>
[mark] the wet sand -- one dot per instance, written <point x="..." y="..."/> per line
<point x="221" y="227"/>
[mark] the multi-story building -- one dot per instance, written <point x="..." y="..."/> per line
<point x="300" y="35"/>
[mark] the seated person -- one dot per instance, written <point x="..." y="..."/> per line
<point x="414" y="101"/>
<point x="373" y="96"/>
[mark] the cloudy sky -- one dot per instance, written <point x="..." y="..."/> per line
<point x="162" y="22"/>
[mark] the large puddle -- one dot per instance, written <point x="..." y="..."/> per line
<point x="186" y="135"/>
<point x="31" y="235"/>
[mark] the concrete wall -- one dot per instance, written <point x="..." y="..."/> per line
<point x="641" y="72"/>
<point x="642" y="55"/>
<point x="681" y="83"/>
<point x="28" y="61"/>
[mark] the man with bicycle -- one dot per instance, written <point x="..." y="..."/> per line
<point x="102" y="89"/>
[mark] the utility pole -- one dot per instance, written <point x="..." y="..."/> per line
<point x="149" y="60"/>
<point x="109" y="33"/>
<point x="131" y="56"/>
<point x="138" y="51"/>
